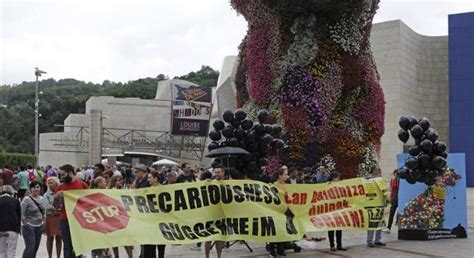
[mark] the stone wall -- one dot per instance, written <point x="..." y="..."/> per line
<point x="414" y="75"/>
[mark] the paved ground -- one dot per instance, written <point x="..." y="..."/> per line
<point x="354" y="240"/>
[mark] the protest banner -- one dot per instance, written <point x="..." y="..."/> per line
<point x="220" y="210"/>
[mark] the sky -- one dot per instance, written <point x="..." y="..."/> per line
<point x="124" y="40"/>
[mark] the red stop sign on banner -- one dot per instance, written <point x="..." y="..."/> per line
<point x="100" y="213"/>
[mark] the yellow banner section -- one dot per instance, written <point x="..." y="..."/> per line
<point x="220" y="210"/>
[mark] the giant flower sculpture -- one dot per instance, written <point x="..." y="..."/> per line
<point x="309" y="63"/>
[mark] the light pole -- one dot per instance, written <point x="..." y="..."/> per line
<point x="38" y="73"/>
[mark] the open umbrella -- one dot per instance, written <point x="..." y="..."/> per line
<point x="227" y="151"/>
<point x="165" y="162"/>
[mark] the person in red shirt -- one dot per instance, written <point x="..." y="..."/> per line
<point x="67" y="176"/>
<point x="6" y="177"/>
<point x="394" y="182"/>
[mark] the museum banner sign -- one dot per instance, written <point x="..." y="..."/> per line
<point x="221" y="210"/>
<point x="191" y="109"/>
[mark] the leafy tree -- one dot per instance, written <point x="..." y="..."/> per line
<point x="65" y="96"/>
<point x="206" y="76"/>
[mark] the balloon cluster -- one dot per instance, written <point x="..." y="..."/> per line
<point x="427" y="157"/>
<point x="258" y="138"/>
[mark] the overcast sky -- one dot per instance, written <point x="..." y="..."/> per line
<point x="126" y="40"/>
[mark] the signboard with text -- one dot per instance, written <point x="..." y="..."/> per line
<point x="191" y="109"/>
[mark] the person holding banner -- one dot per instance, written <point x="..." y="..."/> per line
<point x="117" y="183"/>
<point x="150" y="250"/>
<point x="67" y="175"/>
<point x="218" y="176"/>
<point x="334" y="177"/>
<point x="279" y="248"/>
<point x="371" y="241"/>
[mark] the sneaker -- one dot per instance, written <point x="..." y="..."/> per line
<point x="196" y="248"/>
<point x="380" y="244"/>
<point x="333" y="248"/>
<point x="370" y="245"/>
<point x="386" y="231"/>
<point x="341" y="248"/>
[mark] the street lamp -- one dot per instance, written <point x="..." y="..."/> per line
<point x="38" y="73"/>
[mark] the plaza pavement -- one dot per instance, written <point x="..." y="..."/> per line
<point x="353" y="240"/>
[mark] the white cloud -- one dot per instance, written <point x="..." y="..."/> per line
<point x="125" y="40"/>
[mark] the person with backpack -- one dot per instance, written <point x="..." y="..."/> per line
<point x="31" y="173"/>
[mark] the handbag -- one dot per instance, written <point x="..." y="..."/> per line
<point x="37" y="205"/>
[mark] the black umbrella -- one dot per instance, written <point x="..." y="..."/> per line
<point x="227" y="151"/>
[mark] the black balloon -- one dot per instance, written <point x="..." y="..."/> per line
<point x="403" y="135"/>
<point x="218" y="124"/>
<point x="228" y="116"/>
<point x="415" y="174"/>
<point x="228" y="132"/>
<point x="411" y="163"/>
<point x="267" y="138"/>
<point x="262" y="116"/>
<point x="215" y="135"/>
<point x="277" y="129"/>
<point x="438" y="162"/>
<point x="239" y="133"/>
<point x="432" y="174"/>
<point x="247" y="124"/>
<point x="212" y="146"/>
<point x="235" y="123"/>
<point x="424" y="161"/>
<point x="233" y="142"/>
<point x="439" y="147"/>
<point x="403" y="173"/>
<point x="414" y="150"/>
<point x="223" y="144"/>
<point x="416" y="132"/>
<point x="432" y="135"/>
<point x="411" y="180"/>
<point x="424" y="123"/>
<point x="278" y="143"/>
<point x="404" y="123"/>
<point x="413" y="121"/>
<point x="240" y="114"/>
<point x="444" y="155"/>
<point x="269" y="129"/>
<point x="426" y="146"/>
<point x="259" y="129"/>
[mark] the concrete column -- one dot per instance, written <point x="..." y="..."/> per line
<point x="95" y="136"/>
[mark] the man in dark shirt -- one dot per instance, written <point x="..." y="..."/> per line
<point x="10" y="217"/>
<point x="187" y="176"/>
<point x="141" y="176"/>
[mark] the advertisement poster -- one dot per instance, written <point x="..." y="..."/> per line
<point x="191" y="109"/>
<point x="429" y="213"/>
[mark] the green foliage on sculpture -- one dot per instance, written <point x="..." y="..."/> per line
<point x="314" y="59"/>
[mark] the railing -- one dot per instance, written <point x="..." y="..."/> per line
<point x="131" y="140"/>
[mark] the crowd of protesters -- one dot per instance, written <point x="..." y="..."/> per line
<point x="32" y="203"/>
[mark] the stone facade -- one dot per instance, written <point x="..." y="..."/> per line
<point x="414" y="76"/>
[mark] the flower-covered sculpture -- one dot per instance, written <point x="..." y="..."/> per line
<point x="309" y="63"/>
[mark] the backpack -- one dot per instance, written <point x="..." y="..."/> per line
<point x="31" y="175"/>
